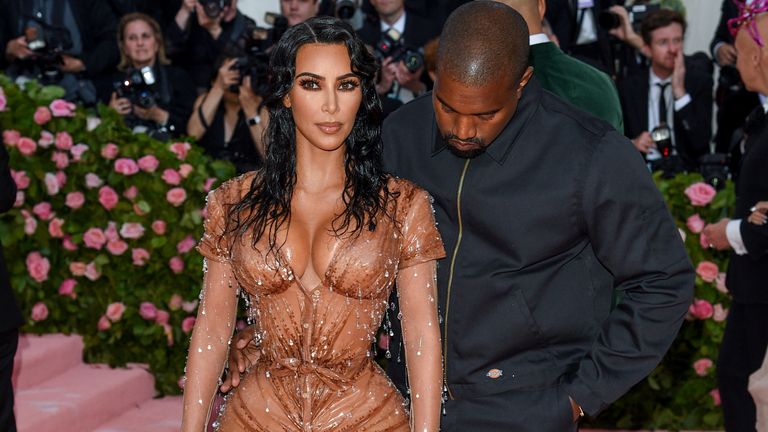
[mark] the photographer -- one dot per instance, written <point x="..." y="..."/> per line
<point x="154" y="97"/>
<point x="69" y="43"/>
<point x="298" y="11"/>
<point x="200" y="33"/>
<point x="227" y="120"/>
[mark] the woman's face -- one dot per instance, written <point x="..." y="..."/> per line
<point x="139" y="43"/>
<point x="325" y="97"/>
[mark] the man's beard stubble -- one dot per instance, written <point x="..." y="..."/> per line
<point x="465" y="154"/>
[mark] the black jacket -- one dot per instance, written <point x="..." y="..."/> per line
<point x="418" y="31"/>
<point x="556" y="214"/>
<point x="727" y="11"/>
<point x="10" y="316"/>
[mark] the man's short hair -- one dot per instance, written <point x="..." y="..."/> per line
<point x="659" y="19"/>
<point x="483" y="41"/>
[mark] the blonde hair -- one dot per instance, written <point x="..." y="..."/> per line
<point x="159" y="40"/>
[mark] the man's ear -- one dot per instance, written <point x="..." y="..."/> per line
<point x="524" y="81"/>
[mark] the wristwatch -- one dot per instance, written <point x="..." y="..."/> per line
<point x="253" y="121"/>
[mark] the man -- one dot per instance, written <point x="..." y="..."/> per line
<point x="574" y="81"/>
<point x="745" y="339"/>
<point x="668" y="94"/>
<point x="575" y="23"/>
<point x="298" y="11"/>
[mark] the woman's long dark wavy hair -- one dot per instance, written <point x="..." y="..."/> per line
<point x="267" y="205"/>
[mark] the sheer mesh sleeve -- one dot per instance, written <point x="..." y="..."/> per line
<point x="421" y="240"/>
<point x="213" y="245"/>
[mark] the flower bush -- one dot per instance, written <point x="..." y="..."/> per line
<point x="100" y="241"/>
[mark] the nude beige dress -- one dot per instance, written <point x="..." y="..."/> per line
<point x="316" y="371"/>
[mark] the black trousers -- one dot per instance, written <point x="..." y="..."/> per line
<point x="741" y="353"/>
<point x="9" y="341"/>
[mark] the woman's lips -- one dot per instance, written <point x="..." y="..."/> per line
<point x="329" y="128"/>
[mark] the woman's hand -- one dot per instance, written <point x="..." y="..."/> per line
<point x="758" y="216"/>
<point x="122" y="105"/>
<point x="227" y="76"/>
<point x="249" y="101"/>
<point x="153" y="113"/>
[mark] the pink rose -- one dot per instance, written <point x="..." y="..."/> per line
<point x="92" y="181"/>
<point x="77" y="151"/>
<point x="188" y="324"/>
<point x="175" y="302"/>
<point x="30" y="225"/>
<point x="60" y="159"/>
<point x="19" y="199"/>
<point x="51" y="184"/>
<point x="117" y="247"/>
<point x="148" y="163"/>
<point x="62" y="108"/>
<point x="176" y="196"/>
<point x="77" y="268"/>
<point x="42" y="115"/>
<point x="43" y="210"/>
<point x="46" y="139"/>
<point x="11" y="137"/>
<point x="702" y="366"/>
<point x="67" y="288"/>
<point x="111" y="231"/>
<point x="3" y="100"/>
<point x="720" y="313"/>
<point x="63" y="141"/>
<point x="700" y="193"/>
<point x="109" y="151"/>
<point x="39" y="311"/>
<point x="707" y="270"/>
<point x="54" y="228"/>
<point x="91" y="272"/>
<point x="720" y="283"/>
<point x="61" y="177"/>
<point x="148" y="311"/>
<point x="126" y="166"/>
<point x="186" y="169"/>
<point x="131" y="193"/>
<point x="189" y="306"/>
<point x="68" y="244"/>
<point x="103" y="324"/>
<point x="137" y="209"/>
<point x="21" y="179"/>
<point x="38" y="266"/>
<point x="176" y="264"/>
<point x="75" y="200"/>
<point x="701" y="309"/>
<point x="94" y="238"/>
<point x="162" y="317"/>
<point x="715" y="394"/>
<point x="209" y="184"/>
<point x="26" y="146"/>
<point x="186" y="245"/>
<point x="158" y="227"/>
<point x="171" y="177"/>
<point x="180" y="149"/>
<point x="115" y="311"/>
<point x="108" y="197"/>
<point x="139" y="256"/>
<point x="132" y="230"/>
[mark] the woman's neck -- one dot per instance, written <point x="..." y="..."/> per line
<point x="318" y="170"/>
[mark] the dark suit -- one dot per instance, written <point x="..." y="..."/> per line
<point x="418" y="31"/>
<point x="563" y="17"/>
<point x="746" y="333"/>
<point x="693" y="123"/>
<point x="10" y="316"/>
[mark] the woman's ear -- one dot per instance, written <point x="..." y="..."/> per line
<point x="287" y="101"/>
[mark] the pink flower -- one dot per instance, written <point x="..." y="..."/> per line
<point x="720" y="283"/>
<point x="715" y="394"/>
<point x="180" y="149"/>
<point x="189" y="306"/>
<point x="91" y="272"/>
<point x="21" y="179"/>
<point x="148" y="163"/>
<point x="140" y="256"/>
<point x="61" y="159"/>
<point x="209" y="184"/>
<point x="131" y="193"/>
<point x="26" y="146"/>
<point x="132" y="230"/>
<point x="148" y="311"/>
<point x="3" y="100"/>
<point x="176" y="196"/>
<point x="75" y="200"/>
<point x="39" y="311"/>
<point x="61" y="177"/>
<point x="77" y="151"/>
<point x="30" y="225"/>
<point x="111" y="231"/>
<point x="115" y="311"/>
<point x="720" y="313"/>
<point x="92" y="181"/>
<point x="11" y="137"/>
<point x="137" y="209"/>
<point x="77" y="268"/>
<point x="188" y="324"/>
<point x="63" y="141"/>
<point x="176" y="264"/>
<point x="62" y="108"/>
<point x="43" y="210"/>
<point x="186" y="245"/>
<point x="109" y="151"/>
<point x="186" y="169"/>
<point x="162" y="317"/>
<point x="171" y="177"/>
<point x="126" y="166"/>
<point x="54" y="228"/>
<point x="700" y="193"/>
<point x="701" y="309"/>
<point x="51" y="184"/>
<point x="67" y="288"/>
<point x="42" y="115"/>
<point x="108" y="197"/>
<point x="168" y="330"/>
<point x="46" y="139"/>
<point x="158" y="227"/>
<point x="707" y="270"/>
<point x="19" y="199"/>
<point x="702" y="366"/>
<point x="94" y="238"/>
<point x="175" y="302"/>
<point x="117" y="247"/>
<point x="68" y="244"/>
<point x="103" y="324"/>
<point x="38" y="266"/>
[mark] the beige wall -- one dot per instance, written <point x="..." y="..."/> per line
<point x="256" y="8"/>
<point x="702" y="17"/>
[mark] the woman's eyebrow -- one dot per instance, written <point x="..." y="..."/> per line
<point x="321" y="78"/>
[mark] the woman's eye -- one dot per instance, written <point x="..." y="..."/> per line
<point x="348" y="85"/>
<point x="310" y="84"/>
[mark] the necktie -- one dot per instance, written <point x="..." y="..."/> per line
<point x="662" y="103"/>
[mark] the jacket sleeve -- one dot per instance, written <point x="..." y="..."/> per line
<point x="693" y="123"/>
<point x="722" y="35"/>
<point x="7" y="185"/>
<point x="99" y="37"/>
<point x="182" y="99"/>
<point x="635" y="238"/>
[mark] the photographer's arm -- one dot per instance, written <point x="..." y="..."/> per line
<point x="207" y="103"/>
<point x="250" y="103"/>
<point x="184" y="14"/>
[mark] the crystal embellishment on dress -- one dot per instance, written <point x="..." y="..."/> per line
<point x="494" y="373"/>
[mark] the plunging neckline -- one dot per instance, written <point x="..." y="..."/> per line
<point x="322" y="276"/>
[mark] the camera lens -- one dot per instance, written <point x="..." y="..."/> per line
<point x="608" y="20"/>
<point x="345" y="9"/>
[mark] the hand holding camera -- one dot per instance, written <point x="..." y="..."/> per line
<point x="18" y="49"/>
<point x="644" y="142"/>
<point x="228" y="76"/>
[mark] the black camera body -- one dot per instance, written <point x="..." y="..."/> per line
<point x="251" y="52"/>
<point x="609" y="20"/>
<point x="345" y="9"/>
<point x="138" y="86"/>
<point x="214" y="8"/>
<point x="714" y="169"/>
<point x="391" y="45"/>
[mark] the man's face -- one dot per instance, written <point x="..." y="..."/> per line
<point x="387" y="7"/>
<point x="298" y="11"/>
<point x="470" y="118"/>
<point x="666" y="42"/>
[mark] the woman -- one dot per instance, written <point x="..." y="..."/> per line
<point x="316" y="239"/>
<point x="154" y="97"/>
<point x="227" y="120"/>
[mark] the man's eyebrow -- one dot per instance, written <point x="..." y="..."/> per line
<point x="474" y="114"/>
<point x="321" y="78"/>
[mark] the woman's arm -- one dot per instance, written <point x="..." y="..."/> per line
<point x="207" y="104"/>
<point x="250" y="104"/>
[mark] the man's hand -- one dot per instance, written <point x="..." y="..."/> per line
<point x="388" y="74"/>
<point x="725" y="54"/>
<point x="576" y="409"/>
<point x="408" y="79"/>
<point x="212" y="25"/>
<point x="758" y="216"/>
<point x="715" y="233"/>
<point x="121" y="105"/>
<point x="643" y="142"/>
<point x="678" y="76"/>
<point x="153" y="113"/>
<point x="18" y="49"/>
<point x="624" y="32"/>
<point x="243" y="354"/>
<point x="71" y="64"/>
<point x="227" y="76"/>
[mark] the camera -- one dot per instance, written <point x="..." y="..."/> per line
<point x="48" y="43"/>
<point x="213" y="8"/>
<point x="345" y="9"/>
<point x="391" y="45"/>
<point x="662" y="137"/>
<point x="138" y="86"/>
<point x="714" y="169"/>
<point x="609" y="20"/>
<point x="251" y="52"/>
